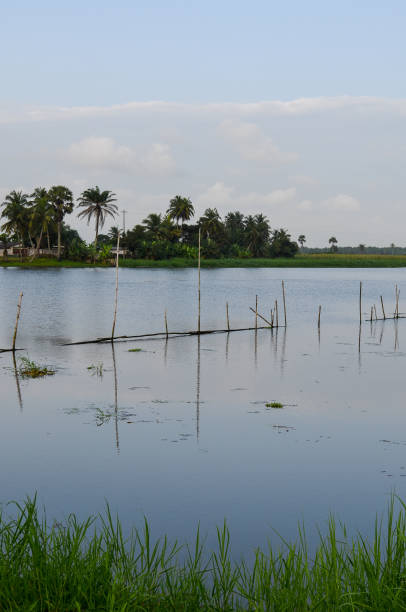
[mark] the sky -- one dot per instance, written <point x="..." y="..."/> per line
<point x="293" y="109"/>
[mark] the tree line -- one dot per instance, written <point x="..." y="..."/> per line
<point x="32" y="219"/>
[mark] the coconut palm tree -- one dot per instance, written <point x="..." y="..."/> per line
<point x="153" y="226"/>
<point x="211" y="223"/>
<point x="41" y="215"/>
<point x="257" y="234"/>
<point x="61" y="199"/>
<point x="333" y="244"/>
<point x="301" y="240"/>
<point x="16" y="212"/>
<point x="180" y="208"/>
<point x="97" y="204"/>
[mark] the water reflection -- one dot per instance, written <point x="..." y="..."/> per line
<point x="17" y="379"/>
<point x="113" y="353"/>
<point x="198" y="389"/>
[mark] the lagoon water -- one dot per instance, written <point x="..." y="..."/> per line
<point x="180" y="431"/>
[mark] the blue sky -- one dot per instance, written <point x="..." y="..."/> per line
<point x="295" y="109"/>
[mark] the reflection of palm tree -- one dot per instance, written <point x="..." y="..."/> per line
<point x="180" y="208"/>
<point x="98" y="205"/>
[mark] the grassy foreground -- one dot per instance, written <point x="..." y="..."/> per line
<point x="71" y="566"/>
<point x="324" y="260"/>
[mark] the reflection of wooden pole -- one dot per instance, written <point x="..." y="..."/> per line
<point x="198" y="290"/>
<point x="256" y="312"/>
<point x="166" y="325"/>
<point x="318" y="319"/>
<point x="228" y="318"/>
<point x="276" y="314"/>
<point x="383" y="309"/>
<point x="116" y="296"/>
<point x="360" y="302"/>
<point x="284" y="301"/>
<point x="17" y="319"/>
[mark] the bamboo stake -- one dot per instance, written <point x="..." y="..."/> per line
<point x="318" y="319"/>
<point x="256" y="312"/>
<point x="166" y="325"/>
<point x="376" y="316"/>
<point x="276" y="314"/>
<point x="228" y="318"/>
<point x="397" y="301"/>
<point x="198" y="291"/>
<point x="261" y="317"/>
<point x="272" y="317"/>
<point x="383" y="309"/>
<point x="17" y="319"/>
<point x="360" y="302"/>
<point x="284" y="301"/>
<point x="372" y="312"/>
<point x="116" y="296"/>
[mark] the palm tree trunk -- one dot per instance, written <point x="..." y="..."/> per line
<point x="38" y="244"/>
<point x="49" y="245"/>
<point x="97" y="230"/>
<point x="59" y="239"/>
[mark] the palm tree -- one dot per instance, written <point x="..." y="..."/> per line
<point x="234" y="226"/>
<point x="15" y="211"/>
<point x="301" y="240"/>
<point x="333" y="242"/>
<point x="41" y="215"/>
<point x="257" y="234"/>
<point x="61" y="199"/>
<point x="210" y="222"/>
<point x="180" y="208"/>
<point x="153" y="226"/>
<point x="98" y="204"/>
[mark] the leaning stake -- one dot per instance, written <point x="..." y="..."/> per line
<point x="116" y="297"/>
<point x="383" y="309"/>
<point x="360" y="302"/>
<point x="284" y="301"/>
<point x="17" y="319"/>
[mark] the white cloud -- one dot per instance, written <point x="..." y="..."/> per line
<point x="305" y="205"/>
<point x="341" y="203"/>
<point x="252" y="144"/>
<point x="101" y="153"/>
<point x="227" y="198"/>
<point x="297" y="107"/>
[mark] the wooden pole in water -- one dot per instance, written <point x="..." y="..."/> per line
<point x="256" y="312"/>
<point x="228" y="318"/>
<point x="261" y="317"/>
<point x="318" y="319"/>
<point x="272" y="317"/>
<point x="397" y="302"/>
<point x="284" y="301"/>
<point x="198" y="291"/>
<point x="17" y="319"/>
<point x="383" y="309"/>
<point x="276" y="314"/>
<point x="372" y="312"/>
<point x="360" y="302"/>
<point x="376" y="316"/>
<point x="116" y="296"/>
<point x="166" y="325"/>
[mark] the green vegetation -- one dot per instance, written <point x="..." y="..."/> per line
<point x="30" y="369"/>
<point x="96" y="369"/>
<point x="134" y="350"/>
<point x="89" y="565"/>
<point x="274" y="405"/>
<point x="336" y="260"/>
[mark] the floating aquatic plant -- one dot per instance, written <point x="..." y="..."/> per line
<point x="30" y="369"/>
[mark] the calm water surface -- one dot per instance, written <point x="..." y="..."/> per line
<point x="180" y="432"/>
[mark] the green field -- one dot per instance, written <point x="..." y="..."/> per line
<point x="325" y="260"/>
<point x="89" y="565"/>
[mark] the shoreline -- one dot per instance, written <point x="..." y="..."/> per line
<point x="300" y="261"/>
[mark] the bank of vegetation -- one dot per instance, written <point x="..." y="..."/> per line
<point x="90" y="565"/>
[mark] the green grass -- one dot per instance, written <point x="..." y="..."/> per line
<point x="135" y="350"/>
<point x="90" y="565"/>
<point x="30" y="369"/>
<point x="324" y="260"/>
